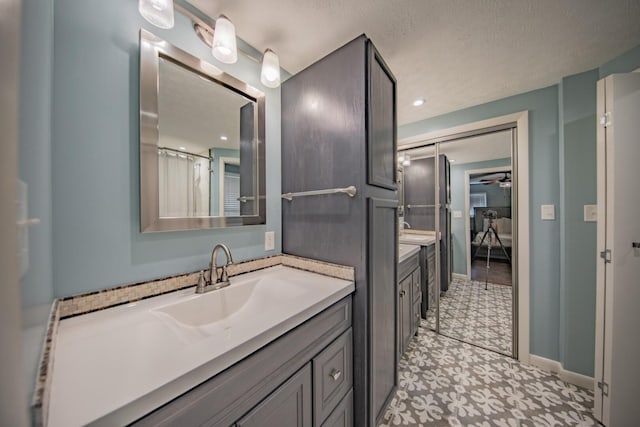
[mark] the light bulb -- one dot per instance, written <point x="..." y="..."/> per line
<point x="407" y="160"/>
<point x="157" y="12"/>
<point x="224" y="41"/>
<point x="270" y="75"/>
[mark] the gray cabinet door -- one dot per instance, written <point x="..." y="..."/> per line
<point x="248" y="161"/>
<point x="405" y="312"/>
<point x="289" y="406"/>
<point x="382" y="302"/>
<point x="381" y="129"/>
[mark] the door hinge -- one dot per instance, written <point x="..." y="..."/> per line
<point x="605" y="119"/>
<point x="604" y="387"/>
<point x="606" y="256"/>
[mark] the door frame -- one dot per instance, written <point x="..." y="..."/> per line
<point x="467" y="192"/>
<point x="520" y="200"/>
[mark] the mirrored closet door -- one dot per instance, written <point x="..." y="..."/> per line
<point x="465" y="201"/>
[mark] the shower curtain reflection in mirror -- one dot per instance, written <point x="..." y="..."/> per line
<point x="183" y="185"/>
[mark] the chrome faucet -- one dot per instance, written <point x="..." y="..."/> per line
<point x="406" y="224"/>
<point x="222" y="277"/>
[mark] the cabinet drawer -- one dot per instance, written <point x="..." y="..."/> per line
<point x="332" y="376"/>
<point x="288" y="406"/>
<point x="407" y="266"/>
<point x="342" y="416"/>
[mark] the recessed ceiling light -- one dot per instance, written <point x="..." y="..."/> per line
<point x="418" y="102"/>
<point x="223" y="137"/>
<point x="182" y="148"/>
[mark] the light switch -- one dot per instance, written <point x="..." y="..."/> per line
<point x="269" y="240"/>
<point x="590" y="213"/>
<point x="457" y="214"/>
<point x="548" y="212"/>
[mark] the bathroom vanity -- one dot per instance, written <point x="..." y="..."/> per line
<point x="409" y="295"/>
<point x="427" y="260"/>
<point x="274" y="347"/>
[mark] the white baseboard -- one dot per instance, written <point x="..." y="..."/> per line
<point x="556" y="367"/>
<point x="459" y="276"/>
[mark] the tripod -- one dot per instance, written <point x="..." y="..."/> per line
<point x="491" y="231"/>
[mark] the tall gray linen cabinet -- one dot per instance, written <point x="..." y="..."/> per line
<point x="339" y="130"/>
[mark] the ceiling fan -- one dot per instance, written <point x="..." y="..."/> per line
<point x="501" y="178"/>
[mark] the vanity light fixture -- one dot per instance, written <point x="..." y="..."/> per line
<point x="157" y="12"/>
<point x="223" y="137"/>
<point x="220" y="36"/>
<point x="182" y="148"/>
<point x="270" y="74"/>
<point x="224" y="47"/>
<point x="400" y="158"/>
<point x="407" y="160"/>
<point x="452" y="161"/>
<point x="418" y="102"/>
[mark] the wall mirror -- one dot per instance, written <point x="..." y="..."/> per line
<point x="201" y="143"/>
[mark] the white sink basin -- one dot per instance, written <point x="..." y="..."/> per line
<point x="213" y="306"/>
<point x="417" y="239"/>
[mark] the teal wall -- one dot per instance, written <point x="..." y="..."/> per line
<point x="625" y="63"/>
<point x="458" y="230"/>
<point x="496" y="195"/>
<point x="96" y="239"/>
<point x="544" y="240"/>
<point x="35" y="147"/>
<point x="215" y="175"/>
<point x="577" y="103"/>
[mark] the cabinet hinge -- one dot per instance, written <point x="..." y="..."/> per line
<point x="604" y="387"/>
<point x="606" y="256"/>
<point x="605" y="119"/>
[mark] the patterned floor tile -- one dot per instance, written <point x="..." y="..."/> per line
<point x="444" y="382"/>
<point x="476" y="315"/>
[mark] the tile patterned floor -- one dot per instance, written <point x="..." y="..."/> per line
<point x="472" y="314"/>
<point x="479" y="316"/>
<point x="444" y="382"/>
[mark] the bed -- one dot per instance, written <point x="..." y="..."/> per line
<point x="503" y="226"/>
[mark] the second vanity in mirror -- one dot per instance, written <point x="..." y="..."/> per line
<point x="201" y="143"/>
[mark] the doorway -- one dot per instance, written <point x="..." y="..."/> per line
<point x="454" y="221"/>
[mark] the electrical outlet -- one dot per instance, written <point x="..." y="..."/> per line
<point x="457" y="214"/>
<point x="269" y="240"/>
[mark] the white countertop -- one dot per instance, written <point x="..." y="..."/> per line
<point x="417" y="239"/>
<point x="113" y="366"/>
<point x="405" y="251"/>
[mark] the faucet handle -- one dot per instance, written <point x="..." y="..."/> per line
<point x="201" y="283"/>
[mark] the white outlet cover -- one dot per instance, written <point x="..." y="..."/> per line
<point x="590" y="213"/>
<point x="457" y="214"/>
<point x="548" y="212"/>
<point x="269" y="240"/>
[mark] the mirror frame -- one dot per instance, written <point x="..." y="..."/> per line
<point x="152" y="48"/>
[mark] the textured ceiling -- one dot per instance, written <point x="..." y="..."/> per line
<point x="453" y="53"/>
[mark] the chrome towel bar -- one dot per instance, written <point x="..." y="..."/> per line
<point x="350" y="191"/>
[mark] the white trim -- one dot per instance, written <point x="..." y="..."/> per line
<point x="522" y="122"/>
<point x="556" y="367"/>
<point x="222" y="162"/>
<point x="467" y="207"/>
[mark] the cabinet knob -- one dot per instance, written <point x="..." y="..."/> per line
<point x="402" y="293"/>
<point x="335" y="374"/>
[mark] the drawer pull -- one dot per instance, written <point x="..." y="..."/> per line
<point x="335" y="374"/>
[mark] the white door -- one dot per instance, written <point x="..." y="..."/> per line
<point x="617" y="370"/>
